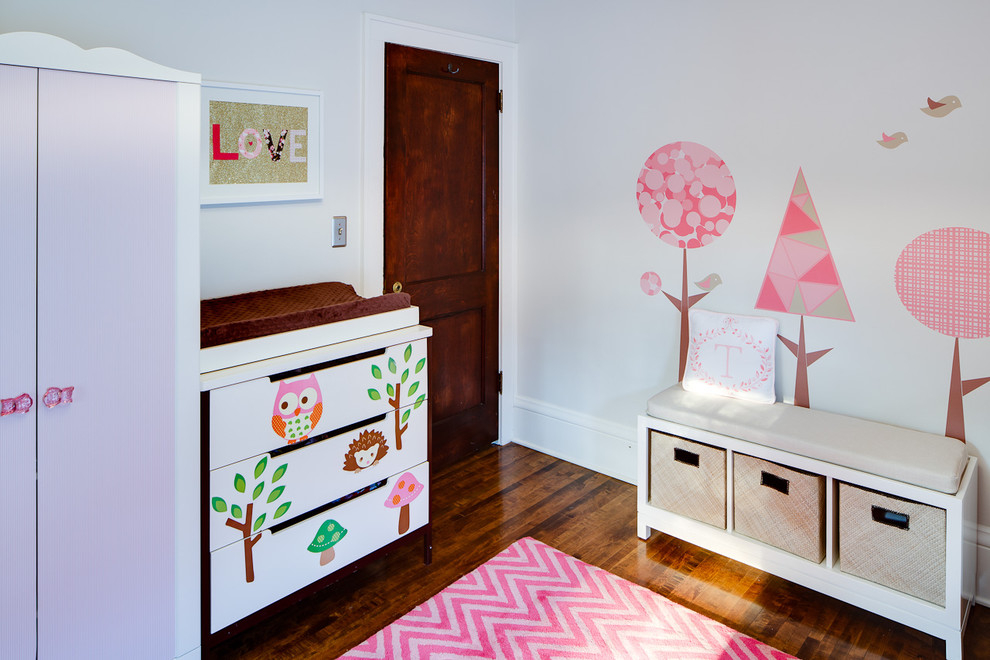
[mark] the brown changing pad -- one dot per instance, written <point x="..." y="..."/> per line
<point x="261" y="313"/>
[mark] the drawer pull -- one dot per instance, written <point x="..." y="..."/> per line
<point x="285" y="449"/>
<point x="776" y="483"/>
<point x="275" y="529"/>
<point x="20" y="404"/>
<point x="686" y="457"/>
<point x="301" y="371"/>
<point x="891" y="518"/>
<point x="56" y="396"/>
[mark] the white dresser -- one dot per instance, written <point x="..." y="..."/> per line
<point x="313" y="461"/>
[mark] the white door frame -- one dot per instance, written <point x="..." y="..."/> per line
<point x="379" y="30"/>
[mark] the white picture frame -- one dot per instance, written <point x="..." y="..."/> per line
<point x="250" y="164"/>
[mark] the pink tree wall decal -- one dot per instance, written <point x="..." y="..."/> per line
<point x="687" y="197"/>
<point x="943" y="279"/>
<point x="802" y="279"/>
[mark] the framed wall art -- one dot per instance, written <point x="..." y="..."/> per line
<point x="260" y="144"/>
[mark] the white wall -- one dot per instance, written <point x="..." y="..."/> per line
<point x="771" y="87"/>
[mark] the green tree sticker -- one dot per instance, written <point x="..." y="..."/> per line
<point x="243" y="518"/>
<point x="392" y="387"/>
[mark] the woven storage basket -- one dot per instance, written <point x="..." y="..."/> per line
<point x="687" y="478"/>
<point x="894" y="542"/>
<point x="780" y="506"/>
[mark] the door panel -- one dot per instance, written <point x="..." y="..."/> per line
<point x="441" y="230"/>
<point x="106" y="235"/>
<point x="18" y="123"/>
<point x="450" y="173"/>
<point x="456" y="342"/>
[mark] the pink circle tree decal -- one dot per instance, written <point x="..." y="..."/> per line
<point x="943" y="279"/>
<point x="687" y="197"/>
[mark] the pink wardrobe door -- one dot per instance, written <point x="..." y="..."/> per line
<point x="106" y="322"/>
<point x="18" y="116"/>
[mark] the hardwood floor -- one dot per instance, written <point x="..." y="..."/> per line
<point x="502" y="494"/>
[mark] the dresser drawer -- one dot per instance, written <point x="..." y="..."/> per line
<point x="284" y="559"/>
<point x="253" y="417"/>
<point x="315" y="473"/>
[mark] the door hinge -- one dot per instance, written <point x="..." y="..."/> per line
<point x="500" y="101"/>
<point x="500" y="382"/>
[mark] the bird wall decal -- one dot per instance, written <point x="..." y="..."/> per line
<point x="894" y="140"/>
<point x="709" y="283"/>
<point x="942" y="107"/>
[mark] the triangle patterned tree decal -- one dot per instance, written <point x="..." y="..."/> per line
<point x="802" y="279"/>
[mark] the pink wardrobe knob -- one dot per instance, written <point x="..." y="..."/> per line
<point x="19" y="404"/>
<point x="57" y="395"/>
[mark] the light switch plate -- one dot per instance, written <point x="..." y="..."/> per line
<point x="339" y="231"/>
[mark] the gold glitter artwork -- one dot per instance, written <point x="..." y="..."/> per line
<point x="256" y="143"/>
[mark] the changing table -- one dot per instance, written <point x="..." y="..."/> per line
<point x="315" y="444"/>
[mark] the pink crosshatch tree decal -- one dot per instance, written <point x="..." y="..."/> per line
<point x="943" y="279"/>
<point x="687" y="197"/>
<point x="802" y="279"/>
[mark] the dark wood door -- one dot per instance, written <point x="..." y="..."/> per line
<point x="441" y="231"/>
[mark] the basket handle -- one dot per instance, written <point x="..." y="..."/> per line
<point x="686" y="457"/>
<point x="891" y="518"/>
<point x="774" y="482"/>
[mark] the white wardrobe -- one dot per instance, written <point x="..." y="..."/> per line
<point x="99" y="267"/>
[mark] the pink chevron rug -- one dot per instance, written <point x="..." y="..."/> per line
<point x="533" y="601"/>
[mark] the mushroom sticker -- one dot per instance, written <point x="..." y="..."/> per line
<point x="329" y="534"/>
<point x="405" y="491"/>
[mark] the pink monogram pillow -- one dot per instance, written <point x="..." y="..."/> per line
<point x="731" y="355"/>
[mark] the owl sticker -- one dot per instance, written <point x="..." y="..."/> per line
<point x="298" y="408"/>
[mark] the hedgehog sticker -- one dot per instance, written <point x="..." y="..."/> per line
<point x="365" y="452"/>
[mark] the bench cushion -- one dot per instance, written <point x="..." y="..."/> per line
<point x="915" y="457"/>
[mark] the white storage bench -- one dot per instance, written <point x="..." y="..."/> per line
<point x="878" y="516"/>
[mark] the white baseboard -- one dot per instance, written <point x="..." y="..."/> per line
<point x="577" y="438"/>
<point x="610" y="449"/>
<point x="983" y="566"/>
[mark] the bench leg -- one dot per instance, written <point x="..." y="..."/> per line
<point x="953" y="647"/>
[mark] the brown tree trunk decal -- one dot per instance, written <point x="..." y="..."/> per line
<point x="804" y="360"/>
<point x="955" y="426"/>
<point x="245" y="529"/>
<point x="396" y="402"/>
<point x="684" y="304"/>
